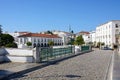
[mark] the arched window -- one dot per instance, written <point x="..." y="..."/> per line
<point x="45" y="45"/>
<point x="34" y="40"/>
<point x="38" y="45"/>
<point x="41" y="44"/>
<point x="20" y="40"/>
<point x="45" y="39"/>
<point x="34" y="45"/>
<point x="38" y="40"/>
<point x="41" y="40"/>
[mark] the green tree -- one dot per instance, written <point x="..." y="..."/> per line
<point x="0" y="35"/>
<point x="94" y="43"/>
<point x="11" y="45"/>
<point x="29" y="44"/>
<point x="50" y="43"/>
<point x="72" y="31"/>
<point x="90" y="43"/>
<point x="103" y="44"/>
<point x="6" y="39"/>
<point x="79" y="40"/>
<point x="49" y="32"/>
<point x="71" y="41"/>
<point x="0" y="29"/>
<point x="98" y="44"/>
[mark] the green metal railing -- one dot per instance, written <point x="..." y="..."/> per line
<point x="52" y="53"/>
<point x="85" y="48"/>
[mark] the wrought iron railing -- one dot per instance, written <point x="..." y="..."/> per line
<point x="85" y="48"/>
<point x="51" y="53"/>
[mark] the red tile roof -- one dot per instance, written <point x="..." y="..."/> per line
<point x="84" y="32"/>
<point x="22" y="33"/>
<point x="39" y="35"/>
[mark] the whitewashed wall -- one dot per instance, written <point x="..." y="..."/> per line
<point x="2" y="54"/>
<point x="19" y="58"/>
<point x="2" y="51"/>
<point x="1" y="58"/>
<point x="16" y="55"/>
<point x="19" y="55"/>
<point x="19" y="52"/>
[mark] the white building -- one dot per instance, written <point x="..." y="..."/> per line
<point x="85" y="35"/>
<point x="16" y="34"/>
<point x="107" y="32"/>
<point x="64" y="35"/>
<point x="38" y="39"/>
<point x="92" y="36"/>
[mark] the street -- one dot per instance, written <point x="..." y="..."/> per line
<point x="88" y="66"/>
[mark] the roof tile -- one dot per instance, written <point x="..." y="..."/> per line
<point x="39" y="35"/>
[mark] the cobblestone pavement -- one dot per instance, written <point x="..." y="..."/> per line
<point x="88" y="66"/>
<point x="7" y="65"/>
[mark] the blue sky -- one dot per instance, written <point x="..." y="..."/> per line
<point x="42" y="15"/>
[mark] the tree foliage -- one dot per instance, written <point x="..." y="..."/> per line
<point x="71" y="41"/>
<point x="29" y="44"/>
<point x="79" y="40"/>
<point x="49" y="32"/>
<point x="50" y="43"/>
<point x="11" y="45"/>
<point x="6" y="39"/>
<point x="0" y="29"/>
<point x="102" y="43"/>
<point x="72" y="31"/>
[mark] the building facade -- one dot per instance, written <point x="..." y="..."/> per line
<point x="16" y="34"/>
<point x="38" y="39"/>
<point x="107" y="33"/>
<point x="66" y="36"/>
<point x="85" y="35"/>
<point x="93" y="36"/>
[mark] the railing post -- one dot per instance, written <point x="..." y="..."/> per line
<point x="90" y="48"/>
<point x="73" y="49"/>
<point x="36" y="54"/>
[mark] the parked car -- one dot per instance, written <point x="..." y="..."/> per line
<point x="106" y="48"/>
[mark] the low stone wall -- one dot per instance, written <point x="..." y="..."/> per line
<point x="1" y="58"/>
<point x="78" y="49"/>
<point x="29" y="55"/>
<point x="19" y="52"/>
<point x="16" y="55"/>
<point x="61" y="46"/>
<point x="9" y="58"/>
<point x="2" y="51"/>
<point x="2" y="54"/>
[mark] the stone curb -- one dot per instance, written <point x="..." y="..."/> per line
<point x="116" y="66"/>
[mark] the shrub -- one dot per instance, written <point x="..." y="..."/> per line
<point x="29" y="44"/>
<point x="11" y="45"/>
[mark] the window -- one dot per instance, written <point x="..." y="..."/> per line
<point x="34" y="40"/>
<point x="116" y="25"/>
<point x="25" y="40"/>
<point x="38" y="40"/>
<point x="45" y="40"/>
<point x="117" y="31"/>
<point x="20" y="40"/>
<point x="109" y="36"/>
<point x="41" y="40"/>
